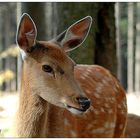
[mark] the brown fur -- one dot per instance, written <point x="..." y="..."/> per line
<point x="51" y="51"/>
<point x="133" y="126"/>
<point x="38" y="118"/>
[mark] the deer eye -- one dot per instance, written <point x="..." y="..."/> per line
<point x="47" y="68"/>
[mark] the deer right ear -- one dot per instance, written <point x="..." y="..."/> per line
<point x="75" y="35"/>
<point x="26" y="33"/>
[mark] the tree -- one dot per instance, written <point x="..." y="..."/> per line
<point x="137" y="56"/>
<point x="106" y="38"/>
<point x="8" y="28"/>
<point x="37" y="11"/>
<point x="118" y="41"/>
<point x="130" y="47"/>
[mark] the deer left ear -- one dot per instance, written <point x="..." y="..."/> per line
<point x="75" y="35"/>
<point x="26" y="33"/>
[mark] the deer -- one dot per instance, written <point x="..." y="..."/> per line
<point x="59" y="98"/>
<point x="133" y="126"/>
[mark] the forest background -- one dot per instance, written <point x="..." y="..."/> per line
<point x="113" y="41"/>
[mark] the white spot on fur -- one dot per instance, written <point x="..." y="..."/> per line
<point x="124" y="104"/>
<point x="86" y="74"/>
<point x="96" y="95"/>
<point x="108" y="78"/>
<point x="102" y="110"/>
<point x="119" y="106"/>
<point x="106" y="105"/>
<point x="112" y="125"/>
<point x="99" y="88"/>
<point x="87" y="91"/>
<point x="122" y="112"/>
<point x="112" y="99"/>
<point x="66" y="122"/>
<point x="90" y="126"/>
<point x="83" y="77"/>
<point x="117" y="85"/>
<point x="115" y="89"/>
<point x="99" y="130"/>
<point x="104" y="81"/>
<point x="96" y="111"/>
<point x="91" y="108"/>
<point x="73" y="133"/>
<point x="110" y="111"/>
<point x="109" y="125"/>
<point x="89" y="70"/>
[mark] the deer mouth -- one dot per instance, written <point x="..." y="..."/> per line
<point x="81" y="105"/>
<point x="83" y="110"/>
<point x="75" y="110"/>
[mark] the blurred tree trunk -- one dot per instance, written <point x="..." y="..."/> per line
<point x="6" y="43"/>
<point x="100" y="44"/>
<point x="37" y="12"/>
<point x="118" y="42"/>
<point x="105" y="38"/>
<point x="12" y="36"/>
<point x="134" y="44"/>
<point x="8" y="37"/>
<point x="52" y="20"/>
<point x="19" y="59"/>
<point x="137" y="56"/>
<point x="130" y="48"/>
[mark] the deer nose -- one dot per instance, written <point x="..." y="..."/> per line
<point x="84" y="102"/>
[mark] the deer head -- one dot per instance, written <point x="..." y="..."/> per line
<point x="49" y="69"/>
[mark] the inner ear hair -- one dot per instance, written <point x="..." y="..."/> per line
<point x="31" y="49"/>
<point x="61" y="36"/>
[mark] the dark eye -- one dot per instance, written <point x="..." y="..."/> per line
<point x="47" y="68"/>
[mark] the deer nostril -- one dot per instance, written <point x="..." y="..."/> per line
<point x="84" y="102"/>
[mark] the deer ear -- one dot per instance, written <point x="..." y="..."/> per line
<point x="26" y="33"/>
<point x="75" y="35"/>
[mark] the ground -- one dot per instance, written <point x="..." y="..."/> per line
<point x="133" y="101"/>
<point x="9" y="102"/>
<point x="8" y="106"/>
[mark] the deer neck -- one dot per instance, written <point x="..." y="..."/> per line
<point x="36" y="117"/>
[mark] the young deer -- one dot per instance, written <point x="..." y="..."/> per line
<point x="61" y="99"/>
